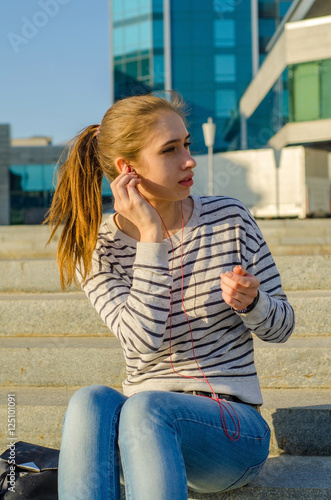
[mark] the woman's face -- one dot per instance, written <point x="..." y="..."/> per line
<point x="165" y="165"/>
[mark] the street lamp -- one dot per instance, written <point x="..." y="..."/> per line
<point x="209" y="130"/>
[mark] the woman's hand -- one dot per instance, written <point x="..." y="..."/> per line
<point x="239" y="288"/>
<point x="129" y="203"/>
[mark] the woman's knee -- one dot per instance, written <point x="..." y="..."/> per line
<point x="141" y="406"/>
<point x="140" y="420"/>
<point x="90" y="399"/>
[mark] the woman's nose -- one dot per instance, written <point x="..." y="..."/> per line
<point x="189" y="161"/>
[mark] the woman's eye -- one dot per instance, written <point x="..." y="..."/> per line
<point x="187" y="144"/>
<point x="169" y="150"/>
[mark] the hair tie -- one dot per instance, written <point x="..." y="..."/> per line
<point x="96" y="133"/>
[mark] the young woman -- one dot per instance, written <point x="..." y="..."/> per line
<point x="182" y="281"/>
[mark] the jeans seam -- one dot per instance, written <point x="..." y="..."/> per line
<point x="221" y="428"/>
<point x="112" y="442"/>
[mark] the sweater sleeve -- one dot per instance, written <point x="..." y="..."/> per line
<point x="272" y="319"/>
<point x="136" y="310"/>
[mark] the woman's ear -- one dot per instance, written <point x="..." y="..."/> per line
<point x="120" y="164"/>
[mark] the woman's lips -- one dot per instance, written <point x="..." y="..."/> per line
<point x="188" y="182"/>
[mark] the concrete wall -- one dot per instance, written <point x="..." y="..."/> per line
<point x="25" y="155"/>
<point x="268" y="182"/>
<point x="4" y="174"/>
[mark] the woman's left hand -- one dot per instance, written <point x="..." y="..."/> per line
<point x="239" y="288"/>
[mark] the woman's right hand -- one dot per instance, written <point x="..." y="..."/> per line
<point x="129" y="203"/>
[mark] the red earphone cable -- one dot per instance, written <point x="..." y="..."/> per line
<point x="223" y="405"/>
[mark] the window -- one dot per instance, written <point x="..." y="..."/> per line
<point x="145" y="35"/>
<point x="131" y="37"/>
<point x="158" y="69"/>
<point x="225" y="68"/>
<point x="226" y="101"/>
<point x="118" y="45"/>
<point x="325" y="89"/>
<point x="222" y="6"/>
<point x="31" y="188"/>
<point x="224" y="33"/>
<point x="305" y="92"/>
<point x="158" y="34"/>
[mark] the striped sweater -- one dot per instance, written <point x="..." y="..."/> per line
<point x="131" y="285"/>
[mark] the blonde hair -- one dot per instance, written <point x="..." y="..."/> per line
<point x="77" y="201"/>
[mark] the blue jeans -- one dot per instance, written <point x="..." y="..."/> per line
<point x="164" y="442"/>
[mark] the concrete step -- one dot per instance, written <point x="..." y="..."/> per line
<point x="295" y="231"/>
<point x="312" y="312"/>
<point x="282" y="478"/>
<point x="49" y="314"/>
<point x="298" y="272"/>
<point x="46" y="314"/>
<point x="295" y="250"/>
<point x="21" y="242"/>
<point x="299" y="419"/>
<point x="309" y="237"/>
<point x="298" y="363"/>
<point x="63" y="361"/>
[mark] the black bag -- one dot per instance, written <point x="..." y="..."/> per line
<point x="29" y="471"/>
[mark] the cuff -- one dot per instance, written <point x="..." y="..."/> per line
<point x="260" y="312"/>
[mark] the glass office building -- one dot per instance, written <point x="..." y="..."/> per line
<point x="301" y="94"/>
<point x="31" y="192"/>
<point x="207" y="50"/>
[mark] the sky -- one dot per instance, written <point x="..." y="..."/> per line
<point x="54" y="66"/>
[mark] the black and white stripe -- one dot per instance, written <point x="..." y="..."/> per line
<point x="131" y="285"/>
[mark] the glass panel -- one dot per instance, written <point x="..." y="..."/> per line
<point x="130" y="8"/>
<point x="32" y="177"/>
<point x="145" y="69"/>
<point x="157" y="5"/>
<point x="132" y="69"/>
<point x="266" y="27"/>
<point x="306" y="93"/>
<point x="158" y="69"/>
<point x="131" y="37"/>
<point x="224" y="33"/>
<point x="106" y="191"/>
<point x="225" y="103"/>
<point x="221" y="6"/>
<point x="118" y="41"/>
<point x="325" y="89"/>
<point x="117" y="9"/>
<point x="31" y="188"/>
<point x="225" y="68"/>
<point x="158" y="34"/>
<point x="267" y="9"/>
<point x="145" y="35"/>
<point x="49" y="172"/>
<point x="283" y="7"/>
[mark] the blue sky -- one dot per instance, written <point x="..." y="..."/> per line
<point x="54" y="76"/>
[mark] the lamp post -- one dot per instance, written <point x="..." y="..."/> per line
<point x="209" y="130"/>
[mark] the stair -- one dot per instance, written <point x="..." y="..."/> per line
<point x="53" y="342"/>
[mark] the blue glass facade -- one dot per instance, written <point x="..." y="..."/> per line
<point x="271" y="115"/>
<point x="211" y="56"/>
<point x="137" y="43"/>
<point x="31" y="188"/>
<point x="31" y="191"/>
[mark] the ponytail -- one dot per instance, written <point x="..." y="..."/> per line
<point x="77" y="204"/>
